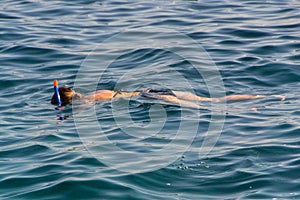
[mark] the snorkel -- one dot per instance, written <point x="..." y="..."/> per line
<point x="56" y="92"/>
<point x="58" y="101"/>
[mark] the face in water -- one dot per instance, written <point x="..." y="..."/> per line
<point x="66" y="95"/>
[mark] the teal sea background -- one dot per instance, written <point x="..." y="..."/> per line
<point x="254" y="44"/>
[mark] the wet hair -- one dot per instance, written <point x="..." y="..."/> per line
<point x="66" y="95"/>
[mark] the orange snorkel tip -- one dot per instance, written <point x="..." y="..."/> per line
<point x="55" y="83"/>
<point x="56" y="92"/>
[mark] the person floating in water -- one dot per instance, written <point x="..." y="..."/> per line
<point x="68" y="95"/>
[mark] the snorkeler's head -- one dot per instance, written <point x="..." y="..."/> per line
<point x="66" y="96"/>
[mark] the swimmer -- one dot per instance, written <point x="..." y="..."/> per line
<point x="68" y="95"/>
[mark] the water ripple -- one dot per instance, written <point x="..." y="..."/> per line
<point x="255" y="45"/>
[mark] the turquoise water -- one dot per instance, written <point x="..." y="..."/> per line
<point x="255" y="46"/>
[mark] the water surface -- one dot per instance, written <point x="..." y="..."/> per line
<point x="254" y="44"/>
